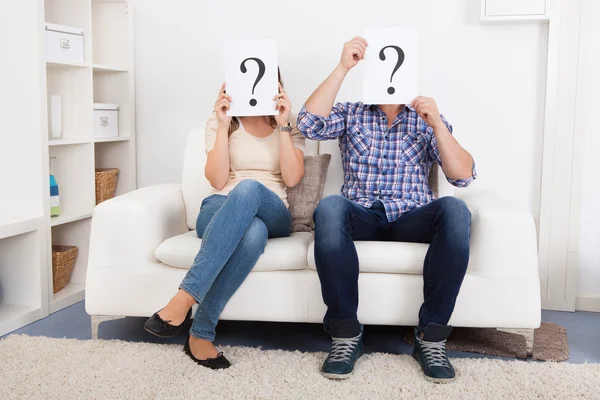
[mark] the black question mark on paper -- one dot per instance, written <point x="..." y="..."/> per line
<point x="261" y="73"/>
<point x="399" y="62"/>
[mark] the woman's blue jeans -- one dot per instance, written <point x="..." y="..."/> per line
<point x="234" y="231"/>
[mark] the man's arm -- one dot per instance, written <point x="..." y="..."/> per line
<point x="319" y="119"/>
<point x="457" y="163"/>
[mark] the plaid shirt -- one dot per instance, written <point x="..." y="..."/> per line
<point x="389" y="165"/>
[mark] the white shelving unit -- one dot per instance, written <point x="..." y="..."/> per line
<point x="105" y="76"/>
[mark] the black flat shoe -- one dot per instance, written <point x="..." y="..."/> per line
<point x="213" y="363"/>
<point x="156" y="326"/>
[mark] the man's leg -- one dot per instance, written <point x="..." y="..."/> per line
<point x="338" y="222"/>
<point x="445" y="224"/>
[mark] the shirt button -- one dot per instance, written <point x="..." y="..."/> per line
<point x="385" y="156"/>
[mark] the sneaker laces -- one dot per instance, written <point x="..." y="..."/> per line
<point x="342" y="348"/>
<point x="435" y="353"/>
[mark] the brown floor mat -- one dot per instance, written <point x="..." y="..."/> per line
<point x="551" y="343"/>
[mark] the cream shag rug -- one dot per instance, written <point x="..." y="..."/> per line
<point x="45" y="368"/>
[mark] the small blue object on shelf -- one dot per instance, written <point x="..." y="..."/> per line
<point x="54" y="199"/>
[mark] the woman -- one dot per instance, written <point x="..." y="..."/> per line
<point x="250" y="162"/>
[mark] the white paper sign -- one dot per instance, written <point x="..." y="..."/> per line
<point x="251" y="77"/>
<point x="391" y="66"/>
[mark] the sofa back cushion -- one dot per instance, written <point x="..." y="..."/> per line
<point x="194" y="185"/>
<point x="335" y="174"/>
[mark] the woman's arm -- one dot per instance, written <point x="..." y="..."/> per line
<point x="291" y="159"/>
<point x="217" y="161"/>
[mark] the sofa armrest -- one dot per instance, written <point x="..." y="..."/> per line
<point x="127" y="229"/>
<point x="503" y="237"/>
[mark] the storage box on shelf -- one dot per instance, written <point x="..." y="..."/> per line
<point x="64" y="43"/>
<point x="72" y="13"/>
<point x="116" y="88"/>
<point x="106" y="120"/>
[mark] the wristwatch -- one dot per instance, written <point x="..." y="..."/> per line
<point x="287" y="128"/>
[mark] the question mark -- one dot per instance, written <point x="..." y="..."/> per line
<point x="399" y="62"/>
<point x="261" y="73"/>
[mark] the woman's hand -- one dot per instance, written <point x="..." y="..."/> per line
<point x="284" y="106"/>
<point x="222" y="106"/>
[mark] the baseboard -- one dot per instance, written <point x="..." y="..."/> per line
<point x="587" y="302"/>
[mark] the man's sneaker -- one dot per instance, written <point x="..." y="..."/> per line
<point x="345" y="349"/>
<point x="430" y="352"/>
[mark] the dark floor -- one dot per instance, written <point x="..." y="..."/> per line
<point x="583" y="330"/>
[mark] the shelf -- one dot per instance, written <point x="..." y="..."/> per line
<point x="65" y="218"/>
<point x="18" y="228"/>
<point x="66" y="142"/>
<point x="65" y="64"/>
<point x="14" y="316"/>
<point x="112" y="139"/>
<point x="71" y="294"/>
<point x="107" y="68"/>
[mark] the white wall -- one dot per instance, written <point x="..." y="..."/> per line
<point x="587" y="117"/>
<point x="20" y="118"/>
<point x="488" y="79"/>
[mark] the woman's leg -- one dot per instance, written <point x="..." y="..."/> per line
<point x="233" y="275"/>
<point x="177" y="308"/>
<point x="228" y="281"/>
<point x="220" y="239"/>
<point x="225" y="231"/>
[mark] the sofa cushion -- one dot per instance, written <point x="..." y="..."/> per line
<point x="281" y="254"/>
<point x="385" y="257"/>
<point x="304" y="197"/>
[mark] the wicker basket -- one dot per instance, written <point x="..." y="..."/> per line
<point x="63" y="261"/>
<point x="106" y="183"/>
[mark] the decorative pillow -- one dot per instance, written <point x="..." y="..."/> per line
<point x="304" y="197"/>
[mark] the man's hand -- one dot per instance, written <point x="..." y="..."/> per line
<point x="428" y="110"/>
<point x="353" y="52"/>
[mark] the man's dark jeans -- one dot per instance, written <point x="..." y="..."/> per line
<point x="445" y="224"/>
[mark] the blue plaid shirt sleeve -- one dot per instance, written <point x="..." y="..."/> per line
<point x="317" y="127"/>
<point x="434" y="155"/>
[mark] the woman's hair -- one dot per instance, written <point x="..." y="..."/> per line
<point x="235" y="123"/>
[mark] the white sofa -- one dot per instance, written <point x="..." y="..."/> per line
<point x="143" y="243"/>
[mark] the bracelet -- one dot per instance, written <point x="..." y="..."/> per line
<point x="287" y="128"/>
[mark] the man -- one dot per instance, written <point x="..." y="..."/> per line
<point x="387" y="152"/>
